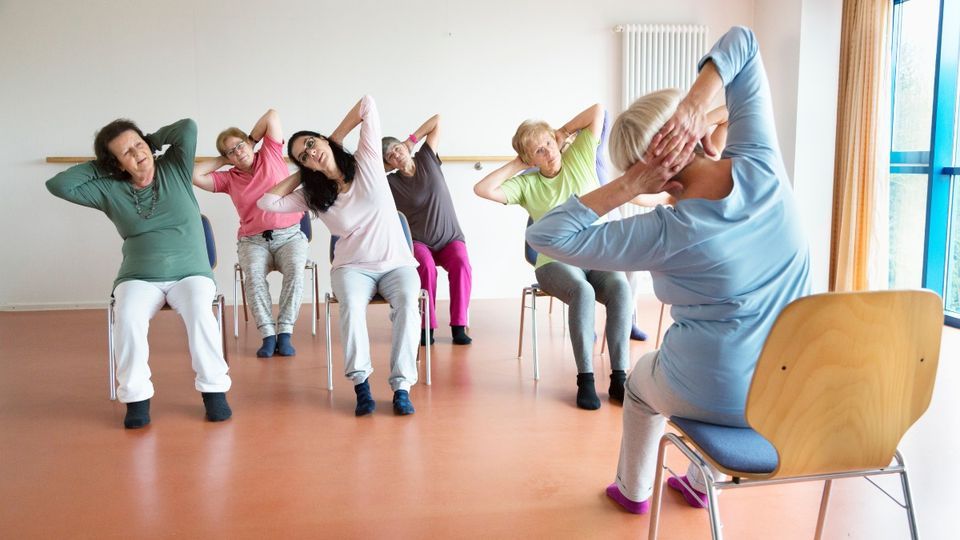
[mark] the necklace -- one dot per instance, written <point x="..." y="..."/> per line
<point x="153" y="202"/>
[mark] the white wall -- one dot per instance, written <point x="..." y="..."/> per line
<point x="800" y="40"/>
<point x="70" y="67"/>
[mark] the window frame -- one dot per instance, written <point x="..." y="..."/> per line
<point x="938" y="163"/>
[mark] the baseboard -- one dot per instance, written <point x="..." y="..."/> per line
<point x="53" y="306"/>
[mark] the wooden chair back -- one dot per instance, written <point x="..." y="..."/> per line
<point x="842" y="376"/>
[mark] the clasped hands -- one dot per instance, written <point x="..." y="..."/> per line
<point x="670" y="150"/>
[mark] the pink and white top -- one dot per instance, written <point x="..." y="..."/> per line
<point x="364" y="217"/>
<point x="246" y="187"/>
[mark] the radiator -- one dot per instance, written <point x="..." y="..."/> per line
<point x="657" y="56"/>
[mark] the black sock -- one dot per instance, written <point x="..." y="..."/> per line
<point x="138" y="414"/>
<point x="365" y="402"/>
<point x="423" y="340"/>
<point x="617" y="378"/>
<point x="460" y="336"/>
<point x="284" y="347"/>
<point x="216" y="405"/>
<point x="268" y="347"/>
<point x="401" y="403"/>
<point x="586" y="393"/>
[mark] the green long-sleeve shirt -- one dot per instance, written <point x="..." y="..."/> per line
<point x="168" y="246"/>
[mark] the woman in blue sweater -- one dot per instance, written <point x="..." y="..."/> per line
<point x="728" y="256"/>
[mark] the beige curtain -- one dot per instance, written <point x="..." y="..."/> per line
<point x="858" y="250"/>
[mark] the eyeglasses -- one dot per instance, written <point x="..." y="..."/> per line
<point x="233" y="151"/>
<point x="307" y="145"/>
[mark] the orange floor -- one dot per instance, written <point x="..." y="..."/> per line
<point x="489" y="453"/>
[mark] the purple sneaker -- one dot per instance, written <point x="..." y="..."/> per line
<point x="641" y="507"/>
<point x="693" y="497"/>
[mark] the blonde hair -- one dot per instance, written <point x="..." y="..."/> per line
<point x="635" y="127"/>
<point x="526" y="133"/>
<point x="227" y="133"/>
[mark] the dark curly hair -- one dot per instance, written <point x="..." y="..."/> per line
<point x="105" y="158"/>
<point x="320" y="192"/>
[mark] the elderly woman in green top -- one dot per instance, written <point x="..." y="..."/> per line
<point x="150" y="201"/>
<point x="561" y="175"/>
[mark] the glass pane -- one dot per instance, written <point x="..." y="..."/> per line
<point x="915" y="64"/>
<point x="908" y="201"/>
<point x="951" y="297"/>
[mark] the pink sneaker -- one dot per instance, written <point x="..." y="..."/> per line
<point x="693" y="497"/>
<point x="641" y="507"/>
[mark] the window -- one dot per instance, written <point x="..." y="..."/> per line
<point x="924" y="227"/>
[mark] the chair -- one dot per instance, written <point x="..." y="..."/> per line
<point x="533" y="291"/>
<point x="841" y="378"/>
<point x="306" y="226"/>
<point x="217" y="306"/>
<point x="377" y="299"/>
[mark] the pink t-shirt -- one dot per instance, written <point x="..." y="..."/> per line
<point x="246" y="188"/>
<point x="365" y="217"/>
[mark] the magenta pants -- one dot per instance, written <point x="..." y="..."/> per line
<point x="452" y="258"/>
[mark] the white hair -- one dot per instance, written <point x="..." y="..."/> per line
<point x="635" y="127"/>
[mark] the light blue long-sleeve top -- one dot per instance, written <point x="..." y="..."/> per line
<point x="727" y="267"/>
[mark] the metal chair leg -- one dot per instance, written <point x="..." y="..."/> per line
<point x="523" y="312"/>
<point x="660" y="326"/>
<point x="715" y="525"/>
<point x="329" y="344"/>
<point x="236" y="299"/>
<point x="316" y="292"/>
<point x="657" y="492"/>
<point x="822" y="516"/>
<point x="533" y="329"/>
<point x="907" y="497"/>
<point x="312" y="272"/>
<point x="111" y="357"/>
<point x="566" y="321"/>
<point x="219" y="302"/>
<point x="424" y="317"/>
<point x="698" y="462"/>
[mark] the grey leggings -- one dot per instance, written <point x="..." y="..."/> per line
<point x="579" y="289"/>
<point x="286" y="252"/>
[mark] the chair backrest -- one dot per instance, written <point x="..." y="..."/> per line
<point x="306" y="226"/>
<point x="210" y="240"/>
<point x="529" y="253"/>
<point x="842" y="376"/>
<point x="406" y="230"/>
<point x="403" y="223"/>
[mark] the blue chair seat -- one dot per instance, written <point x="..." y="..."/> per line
<point x="733" y="448"/>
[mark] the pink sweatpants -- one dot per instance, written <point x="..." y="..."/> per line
<point x="452" y="258"/>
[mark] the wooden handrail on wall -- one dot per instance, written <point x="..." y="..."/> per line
<point x="463" y="159"/>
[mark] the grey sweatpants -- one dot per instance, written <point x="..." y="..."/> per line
<point x="579" y="289"/>
<point x="400" y="287"/>
<point x="287" y="253"/>
<point x="649" y="400"/>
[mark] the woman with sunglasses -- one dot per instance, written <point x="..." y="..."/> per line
<point x="265" y="241"/>
<point x="350" y="194"/>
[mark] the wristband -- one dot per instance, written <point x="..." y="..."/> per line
<point x="412" y="138"/>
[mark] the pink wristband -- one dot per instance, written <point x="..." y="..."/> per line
<point x="412" y="138"/>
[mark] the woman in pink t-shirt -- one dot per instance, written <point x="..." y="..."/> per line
<point x="266" y="241"/>
<point x="350" y="194"/>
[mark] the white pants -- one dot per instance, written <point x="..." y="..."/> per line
<point x="136" y="303"/>
<point x="648" y="402"/>
<point x="400" y="287"/>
